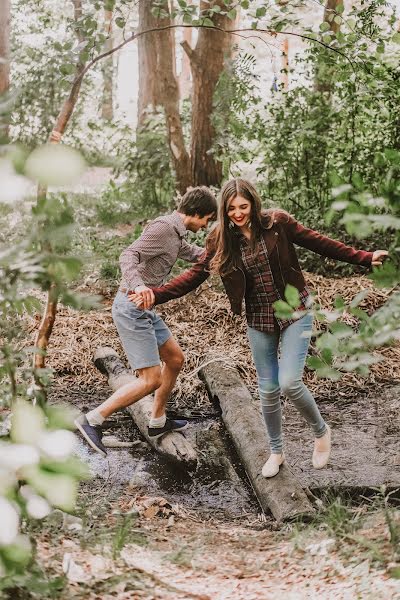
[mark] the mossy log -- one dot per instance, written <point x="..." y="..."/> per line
<point x="282" y="494"/>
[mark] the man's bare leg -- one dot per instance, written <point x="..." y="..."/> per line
<point x="148" y="381"/>
<point x="173" y="358"/>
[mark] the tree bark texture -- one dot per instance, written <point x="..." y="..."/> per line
<point x="158" y="86"/>
<point x="174" y="446"/>
<point x="49" y="315"/>
<point x="207" y="64"/>
<point x="324" y="73"/>
<point x="5" y="18"/>
<point x="107" y="110"/>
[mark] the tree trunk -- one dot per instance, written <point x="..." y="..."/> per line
<point x="282" y="494"/>
<point x="324" y="73"/>
<point x="185" y="83"/>
<point x="285" y="64"/>
<point x="5" y="17"/>
<point x="207" y="64"/>
<point x="49" y="315"/>
<point x="107" y="112"/>
<point x="158" y="86"/>
<point x="174" y="446"/>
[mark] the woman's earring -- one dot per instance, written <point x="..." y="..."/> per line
<point x="231" y="224"/>
<point x="249" y="224"/>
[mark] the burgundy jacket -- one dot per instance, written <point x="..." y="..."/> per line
<point x="279" y="236"/>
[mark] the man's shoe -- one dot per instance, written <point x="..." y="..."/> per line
<point x="170" y="425"/>
<point x="92" y="434"/>
<point x="271" y="467"/>
<point x="321" y="455"/>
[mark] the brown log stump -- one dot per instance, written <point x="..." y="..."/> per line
<point x="173" y="446"/>
<point x="282" y="494"/>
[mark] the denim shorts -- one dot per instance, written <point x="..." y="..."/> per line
<point x="142" y="332"/>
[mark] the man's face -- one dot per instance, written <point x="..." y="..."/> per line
<point x="196" y="223"/>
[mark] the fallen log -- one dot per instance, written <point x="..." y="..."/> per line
<point x="174" y="446"/>
<point x="282" y="494"/>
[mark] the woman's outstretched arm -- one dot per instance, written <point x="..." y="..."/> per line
<point x="321" y="244"/>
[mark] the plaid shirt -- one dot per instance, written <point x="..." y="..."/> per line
<point x="260" y="298"/>
<point x="149" y="260"/>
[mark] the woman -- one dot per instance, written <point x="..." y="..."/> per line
<point x="253" y="252"/>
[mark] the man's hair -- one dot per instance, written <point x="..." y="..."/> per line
<point x="198" y="201"/>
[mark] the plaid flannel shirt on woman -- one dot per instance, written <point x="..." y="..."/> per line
<point x="263" y="293"/>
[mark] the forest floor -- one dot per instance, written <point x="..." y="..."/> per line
<point x="147" y="531"/>
<point x="144" y="530"/>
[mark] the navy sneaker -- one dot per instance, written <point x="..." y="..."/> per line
<point x="92" y="434"/>
<point x="170" y="425"/>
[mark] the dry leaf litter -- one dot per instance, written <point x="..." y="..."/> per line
<point x="205" y="328"/>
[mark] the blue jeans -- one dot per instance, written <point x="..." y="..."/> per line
<point x="285" y="375"/>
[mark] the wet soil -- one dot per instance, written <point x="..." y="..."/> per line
<point x="213" y="489"/>
<point x="365" y="456"/>
<point x="365" y="442"/>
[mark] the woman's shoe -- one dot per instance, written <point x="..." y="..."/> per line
<point x="321" y="455"/>
<point x="271" y="467"/>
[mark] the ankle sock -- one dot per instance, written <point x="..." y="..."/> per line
<point x="95" y="418"/>
<point x="158" y="421"/>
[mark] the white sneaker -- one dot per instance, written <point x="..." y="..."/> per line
<point x="320" y="457"/>
<point x="271" y="467"/>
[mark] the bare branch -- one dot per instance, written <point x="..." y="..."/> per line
<point x="188" y="50"/>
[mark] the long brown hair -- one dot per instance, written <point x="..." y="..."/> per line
<point x="227" y="242"/>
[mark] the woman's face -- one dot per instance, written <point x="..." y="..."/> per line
<point x="239" y="210"/>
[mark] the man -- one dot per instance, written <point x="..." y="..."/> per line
<point x="145" y="337"/>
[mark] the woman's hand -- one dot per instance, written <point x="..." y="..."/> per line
<point x="378" y="257"/>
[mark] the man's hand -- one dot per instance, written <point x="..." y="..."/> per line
<point x="143" y="297"/>
<point x="378" y="257"/>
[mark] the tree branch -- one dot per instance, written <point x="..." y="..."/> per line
<point x="237" y="32"/>
<point x="188" y="50"/>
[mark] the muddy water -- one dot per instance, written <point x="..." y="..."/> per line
<point x="214" y="489"/>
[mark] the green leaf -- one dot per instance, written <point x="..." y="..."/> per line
<point x="358" y="298"/>
<point x="292" y="296"/>
<point x="208" y="23"/>
<point x="388" y="275"/>
<point x="245" y="4"/>
<point x="396" y="38"/>
<point x="327" y="355"/>
<point x="67" y="69"/>
<point x="359" y="313"/>
<point x="54" y="164"/>
<point x="232" y="14"/>
<point x="282" y="309"/>
<point x="315" y="362"/>
<point x="261" y="12"/>
<point x="28" y="423"/>
<point x="339" y="303"/>
<point x="120" y="22"/>
<point x="341" y="330"/>
<point x="324" y="26"/>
